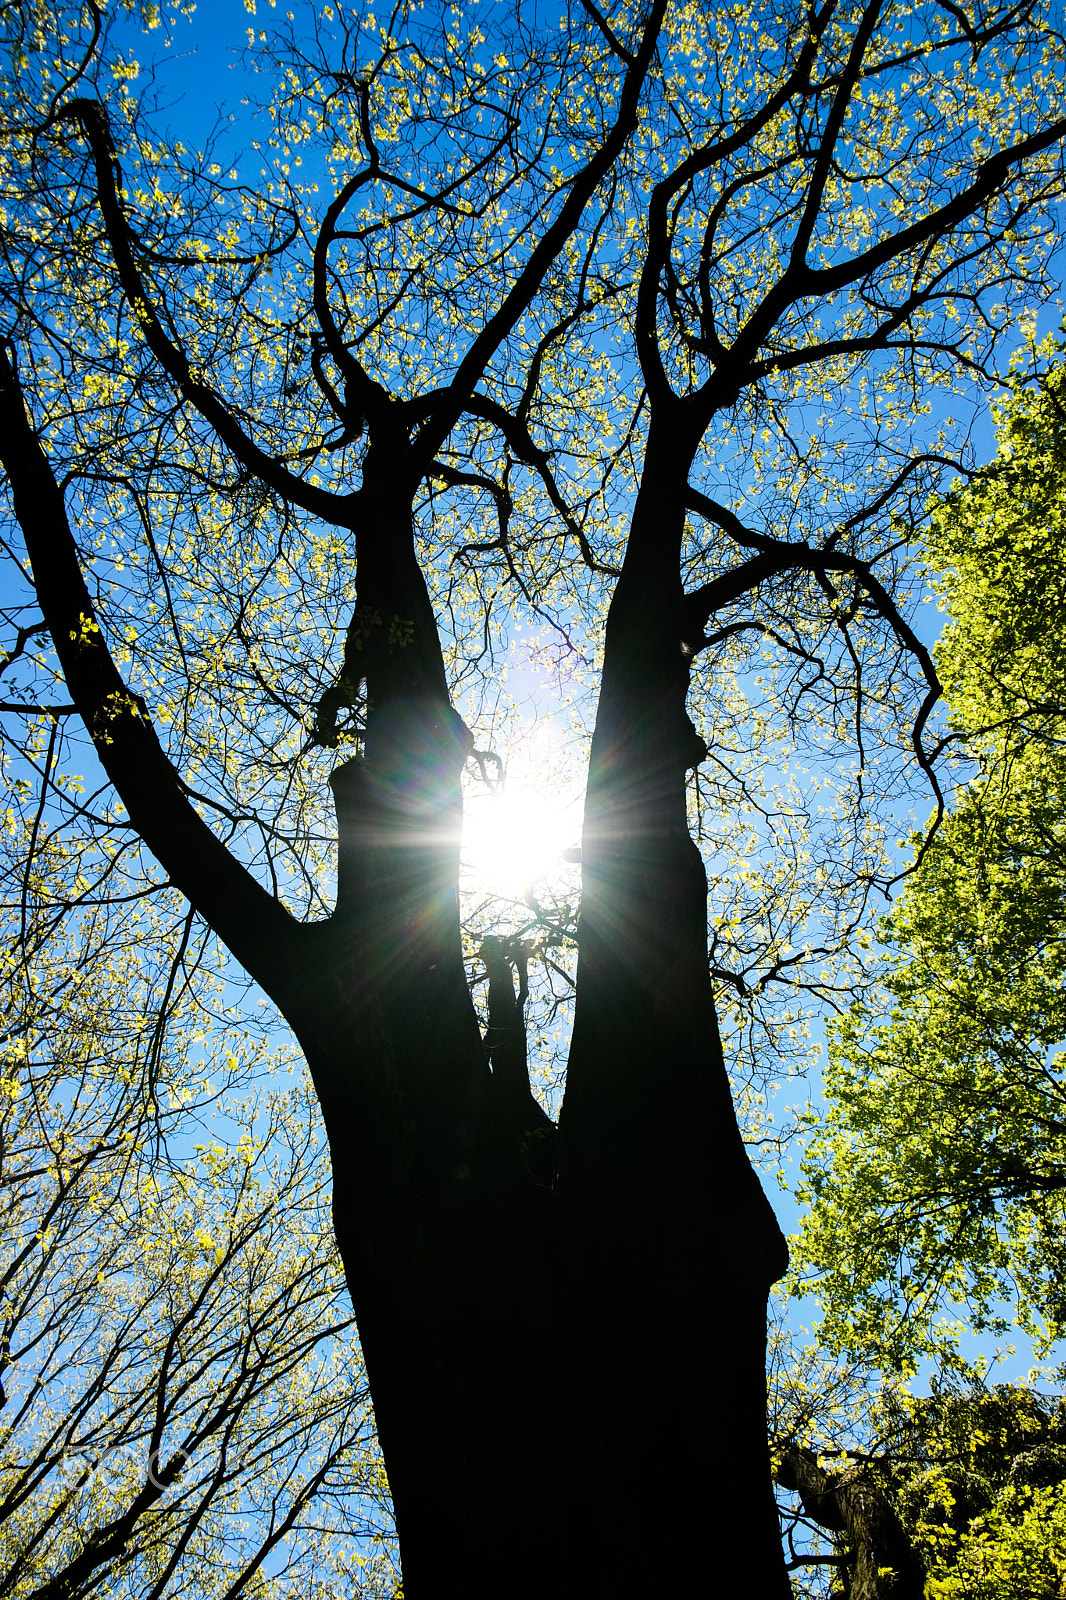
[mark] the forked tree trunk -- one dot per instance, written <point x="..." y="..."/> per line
<point x="565" y="1354"/>
<point x="567" y="1367"/>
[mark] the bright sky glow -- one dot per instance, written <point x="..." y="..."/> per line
<point x="514" y="838"/>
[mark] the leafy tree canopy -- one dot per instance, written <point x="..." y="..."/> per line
<point x="449" y="224"/>
<point x="979" y="1479"/>
<point x="183" y="1408"/>
<point x="938" y="1174"/>
<point x="958" y="1495"/>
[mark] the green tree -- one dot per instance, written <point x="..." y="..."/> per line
<point x="938" y="1174"/>
<point x="285" y="464"/>
<point x="979" y="1479"/>
<point x="959" y="1495"/>
<point x="182" y="1405"/>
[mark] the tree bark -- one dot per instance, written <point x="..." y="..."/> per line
<point x="674" y="1243"/>
<point x="882" y="1562"/>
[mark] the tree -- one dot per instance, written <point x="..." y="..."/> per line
<point x="959" y="1493"/>
<point x="182" y="1406"/>
<point x="939" y="1171"/>
<point x="874" y="1554"/>
<point x="980" y="1480"/>
<point x="251" y="439"/>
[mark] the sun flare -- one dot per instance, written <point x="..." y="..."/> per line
<point x="522" y="833"/>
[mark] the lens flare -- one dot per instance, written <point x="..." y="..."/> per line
<point x="523" y="833"/>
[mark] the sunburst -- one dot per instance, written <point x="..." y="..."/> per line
<point x="522" y="832"/>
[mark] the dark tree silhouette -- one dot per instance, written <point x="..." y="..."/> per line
<point x="649" y="240"/>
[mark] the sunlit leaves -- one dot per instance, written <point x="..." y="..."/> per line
<point x="939" y="1173"/>
<point x="826" y="353"/>
<point x="184" y="1407"/>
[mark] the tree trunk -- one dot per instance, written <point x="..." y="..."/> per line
<point x="565" y="1344"/>
<point x="675" y="1243"/>
<point x="882" y="1562"/>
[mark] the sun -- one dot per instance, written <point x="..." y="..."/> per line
<point x="524" y="833"/>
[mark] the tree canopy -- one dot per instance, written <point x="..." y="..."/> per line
<point x="182" y="1402"/>
<point x="938" y="1173"/>
<point x="816" y="311"/>
<point x="957" y="1495"/>
<point x="980" y="1480"/>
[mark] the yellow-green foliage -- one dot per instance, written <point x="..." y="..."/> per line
<point x="979" y="1480"/>
<point x="938" y="1174"/>
<point x="173" y="1315"/>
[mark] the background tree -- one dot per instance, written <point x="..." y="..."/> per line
<point x="938" y="1173"/>
<point x="267" y="451"/>
<point x="980" y="1480"/>
<point x="959" y="1493"/>
<point x="183" y="1408"/>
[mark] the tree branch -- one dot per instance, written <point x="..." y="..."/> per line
<point x="991" y="173"/>
<point x="256" y="928"/>
<point x="646" y="334"/>
<point x="91" y="117"/>
<point x="834" y="123"/>
<point x="782" y="556"/>
<point x="547" y="248"/>
<point x="372" y="398"/>
<point x="524" y="449"/>
<point x="616" y="45"/>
